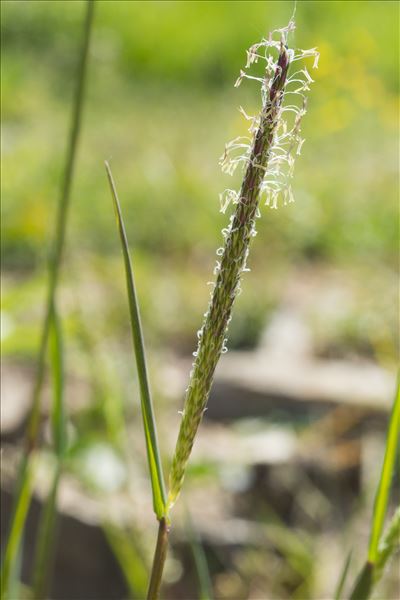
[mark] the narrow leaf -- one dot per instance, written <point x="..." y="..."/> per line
<point x="368" y="575"/>
<point x="14" y="584"/>
<point x="58" y="421"/>
<point x="17" y="525"/>
<point x="153" y="454"/>
<point x="46" y="533"/>
<point x="363" y="586"/>
<point x="382" y="494"/>
<point x="343" y="577"/>
<point x="129" y="558"/>
<point x="45" y="544"/>
<point x="23" y="496"/>
<point x="389" y="545"/>
<point x="200" y="560"/>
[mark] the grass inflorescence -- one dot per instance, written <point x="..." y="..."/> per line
<point x="268" y="160"/>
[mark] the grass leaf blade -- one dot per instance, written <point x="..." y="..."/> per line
<point x="153" y="454"/>
<point x="57" y="366"/>
<point x="389" y="544"/>
<point x="129" y="558"/>
<point x="364" y="583"/>
<point x="382" y="494"/>
<point x="45" y="542"/>
<point x="17" y="524"/>
<point x="343" y="577"/>
<point x="200" y="560"/>
<point x="23" y="495"/>
<point x="371" y="570"/>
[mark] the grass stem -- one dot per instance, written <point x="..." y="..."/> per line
<point x="23" y="491"/>
<point x="160" y="555"/>
<point x="61" y="226"/>
<point x="381" y="547"/>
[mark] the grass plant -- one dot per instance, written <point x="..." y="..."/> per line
<point x="200" y="560"/>
<point x="382" y="546"/>
<point x="268" y="160"/>
<point x="50" y="322"/>
<point x="45" y="540"/>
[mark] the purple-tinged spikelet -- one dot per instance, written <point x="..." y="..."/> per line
<point x="264" y="159"/>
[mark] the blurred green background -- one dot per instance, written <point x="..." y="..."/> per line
<point x="160" y="106"/>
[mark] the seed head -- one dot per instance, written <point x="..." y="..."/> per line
<point x="267" y="159"/>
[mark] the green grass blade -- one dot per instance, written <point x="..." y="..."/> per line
<point x="371" y="569"/>
<point x="364" y="583"/>
<point x="131" y="562"/>
<point x="17" y="525"/>
<point x="14" y="586"/>
<point x="200" y="561"/>
<point x="61" y="224"/>
<point x="343" y="577"/>
<point x="153" y="454"/>
<point x="389" y="544"/>
<point x="24" y="488"/>
<point x="58" y="421"/>
<point x="382" y="494"/>
<point x="45" y="542"/>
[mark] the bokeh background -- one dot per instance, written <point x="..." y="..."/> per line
<point x="282" y="480"/>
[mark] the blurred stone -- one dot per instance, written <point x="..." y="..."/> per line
<point x="16" y="395"/>
<point x="287" y="336"/>
<point x="85" y="567"/>
<point x="259" y="384"/>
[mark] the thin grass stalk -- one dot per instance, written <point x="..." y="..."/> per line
<point x="44" y="551"/>
<point x="371" y="573"/>
<point x="123" y="543"/>
<point x="381" y="548"/>
<point x="160" y="556"/>
<point x="15" y="586"/>
<point x="61" y="225"/>
<point x="389" y="545"/>
<point x="364" y="582"/>
<point x="343" y="577"/>
<point x="382" y="493"/>
<point x="46" y="535"/>
<point x="18" y="521"/>
<point x="23" y="491"/>
<point x="200" y="561"/>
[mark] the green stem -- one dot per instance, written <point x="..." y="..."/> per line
<point x="44" y="553"/>
<point x="160" y="555"/>
<point x="61" y="225"/>
<point x="23" y="492"/>
<point x="18" y="520"/>
<point x="385" y="482"/>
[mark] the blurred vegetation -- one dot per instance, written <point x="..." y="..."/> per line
<point x="161" y="106"/>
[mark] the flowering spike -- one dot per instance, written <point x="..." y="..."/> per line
<point x="268" y="165"/>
